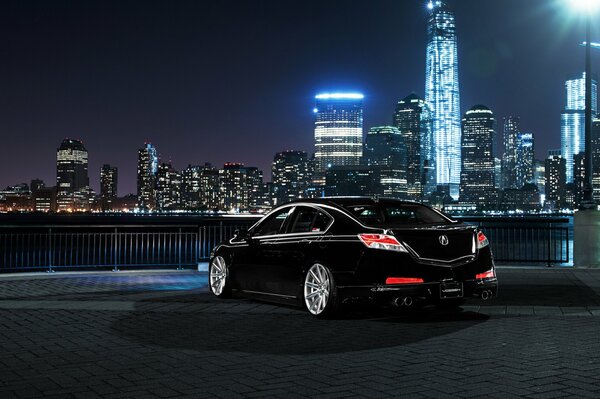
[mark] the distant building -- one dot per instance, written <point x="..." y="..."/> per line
<point x="44" y="199"/>
<point x="338" y="132"/>
<point x="291" y="176"/>
<point x="511" y="129"/>
<point x="498" y="174"/>
<point x="240" y="187"/>
<point x="539" y="176"/>
<point x="36" y="184"/>
<point x="596" y="158"/>
<point x="442" y="94"/>
<point x="525" y="159"/>
<point x="109" y="176"/>
<point x="526" y="198"/>
<point x="578" y="178"/>
<point x="352" y="181"/>
<point x="477" y="178"/>
<point x="386" y="153"/>
<point x="168" y="188"/>
<point x="572" y="126"/>
<point x="412" y="118"/>
<point x="556" y="182"/>
<point x="146" y="177"/>
<point x="72" y="181"/>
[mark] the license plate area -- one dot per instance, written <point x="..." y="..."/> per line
<point x="451" y="289"/>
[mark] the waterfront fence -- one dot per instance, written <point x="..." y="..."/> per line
<point x="136" y="246"/>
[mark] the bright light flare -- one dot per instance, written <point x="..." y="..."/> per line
<point x="588" y="6"/>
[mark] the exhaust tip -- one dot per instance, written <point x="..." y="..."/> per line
<point x="406" y="301"/>
<point x="487" y="294"/>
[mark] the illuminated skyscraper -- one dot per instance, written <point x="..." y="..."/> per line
<point x="555" y="170"/>
<point x="477" y="179"/>
<point x="240" y="187"/>
<point x="512" y="126"/>
<point x="442" y="94"/>
<point x="525" y="159"/>
<point x="108" y="186"/>
<point x="385" y="152"/>
<point x="338" y="132"/>
<point x="596" y="158"/>
<point x="168" y="188"/>
<point x="413" y="119"/>
<point x="291" y="176"/>
<point x="146" y="177"/>
<point x="572" y="121"/>
<point x="72" y="181"/>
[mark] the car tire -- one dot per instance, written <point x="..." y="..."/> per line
<point x="218" y="278"/>
<point x="320" y="292"/>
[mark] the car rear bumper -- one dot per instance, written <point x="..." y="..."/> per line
<point x="430" y="292"/>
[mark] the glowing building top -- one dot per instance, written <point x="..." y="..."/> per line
<point x="442" y="94"/>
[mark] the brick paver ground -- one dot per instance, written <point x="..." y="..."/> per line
<point x="161" y="335"/>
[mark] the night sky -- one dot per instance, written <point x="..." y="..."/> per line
<point x="219" y="81"/>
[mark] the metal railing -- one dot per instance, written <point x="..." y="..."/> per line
<point x="59" y="247"/>
<point x="36" y="247"/>
<point x="528" y="240"/>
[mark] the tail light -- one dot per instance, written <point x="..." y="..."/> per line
<point x="482" y="240"/>
<point x="489" y="274"/>
<point x="382" y="241"/>
<point x="403" y="280"/>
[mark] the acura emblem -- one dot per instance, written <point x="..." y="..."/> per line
<point x="444" y="239"/>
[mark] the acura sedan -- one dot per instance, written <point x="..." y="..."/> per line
<point x="326" y="252"/>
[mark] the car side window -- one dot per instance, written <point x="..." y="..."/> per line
<point x="272" y="225"/>
<point x="309" y="220"/>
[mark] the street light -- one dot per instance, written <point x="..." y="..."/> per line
<point x="587" y="7"/>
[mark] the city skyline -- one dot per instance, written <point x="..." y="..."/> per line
<point x="74" y="93"/>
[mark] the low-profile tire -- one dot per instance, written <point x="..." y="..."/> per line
<point x="218" y="278"/>
<point x="320" y="293"/>
<point x="453" y="303"/>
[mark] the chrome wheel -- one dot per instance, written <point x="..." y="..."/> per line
<point x="218" y="275"/>
<point x="317" y="289"/>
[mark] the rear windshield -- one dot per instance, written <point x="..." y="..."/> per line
<point x="396" y="214"/>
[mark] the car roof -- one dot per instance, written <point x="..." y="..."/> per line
<point x="349" y="201"/>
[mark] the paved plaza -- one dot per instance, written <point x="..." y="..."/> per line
<point x="161" y="334"/>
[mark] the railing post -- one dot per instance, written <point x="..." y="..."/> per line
<point x="50" y="251"/>
<point x="549" y="240"/>
<point x="115" y="251"/>
<point x="179" y="267"/>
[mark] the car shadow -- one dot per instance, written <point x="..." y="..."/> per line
<point x="258" y="328"/>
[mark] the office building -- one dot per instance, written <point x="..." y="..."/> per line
<point x="511" y="129"/>
<point x="412" y="118"/>
<point x="442" y="94"/>
<point x="168" y="188"/>
<point x="478" y="175"/>
<point x="572" y="126"/>
<point x="338" y="132"/>
<point x="146" y="177"/>
<point x="240" y="187"/>
<point x="72" y="181"/>
<point x="596" y="158"/>
<point x="291" y="176"/>
<point x="386" y="152"/>
<point x="525" y="159"/>
<point x="556" y="181"/>
<point x="109" y="176"/>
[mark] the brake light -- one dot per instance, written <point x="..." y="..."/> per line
<point x="403" y="280"/>
<point x="382" y="241"/>
<point x="482" y="240"/>
<point x="489" y="274"/>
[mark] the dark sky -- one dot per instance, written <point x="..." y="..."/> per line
<point x="218" y="81"/>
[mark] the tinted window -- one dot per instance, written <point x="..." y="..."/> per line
<point x="272" y="224"/>
<point x="309" y="220"/>
<point x="396" y="214"/>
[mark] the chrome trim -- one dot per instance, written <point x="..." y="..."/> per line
<point x="269" y="293"/>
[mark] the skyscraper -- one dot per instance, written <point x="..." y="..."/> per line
<point x="477" y="178"/>
<point x="168" y="188"/>
<point x="386" y="152"/>
<point x="338" y="132"/>
<point x="200" y="187"/>
<point x="572" y="121"/>
<point x="108" y="186"/>
<point x="290" y="175"/>
<point x="556" y="177"/>
<point x="72" y="181"/>
<point x="241" y="187"/>
<point x="525" y="159"/>
<point x="412" y="118"/>
<point x="596" y="157"/>
<point x="442" y="94"/>
<point x="146" y="177"/>
<point x="512" y="126"/>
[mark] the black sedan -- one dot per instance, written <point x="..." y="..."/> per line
<point x="326" y="252"/>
